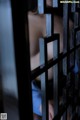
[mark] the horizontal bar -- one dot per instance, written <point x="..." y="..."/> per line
<point x="51" y="38"/>
<point x="76" y="29"/>
<point x="39" y="70"/>
<point x="50" y="10"/>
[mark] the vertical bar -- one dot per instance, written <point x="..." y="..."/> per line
<point x="55" y="91"/>
<point x="78" y="58"/>
<point x="55" y="77"/>
<point x="55" y="49"/>
<point x="40" y="6"/>
<point x="66" y="47"/>
<point x="52" y="21"/>
<point x="75" y="62"/>
<point x="71" y="40"/>
<point x="55" y="3"/>
<point x="44" y="79"/>
<point x="72" y="59"/>
<point x="79" y="19"/>
<point x="78" y="38"/>
<point x="22" y="57"/>
<point x="78" y="78"/>
<point x="73" y="7"/>
<point x="48" y="25"/>
<point x="64" y="117"/>
<point x="76" y="19"/>
<point x="65" y="28"/>
<point x="72" y="55"/>
<point x="78" y="5"/>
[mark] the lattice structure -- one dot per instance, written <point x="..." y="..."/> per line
<point x="70" y="92"/>
<point x="70" y="97"/>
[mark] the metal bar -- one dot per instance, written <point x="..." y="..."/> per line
<point x="52" y="28"/>
<point x="75" y="62"/>
<point x="66" y="47"/>
<point x="55" y="3"/>
<point x="72" y="59"/>
<point x="78" y="58"/>
<point x="40" y="6"/>
<point x="76" y="19"/>
<point x="36" y="72"/>
<point x="48" y="25"/>
<point x="65" y="28"/>
<point x="49" y="10"/>
<point x="44" y="79"/>
<point x="52" y="38"/>
<point x="56" y="77"/>
<point x="22" y="58"/>
<point x="73" y="7"/>
<point x="79" y="19"/>
<point x="78" y="38"/>
<point x="55" y="83"/>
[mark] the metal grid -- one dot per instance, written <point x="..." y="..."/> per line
<point x="70" y="53"/>
<point x="70" y="90"/>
